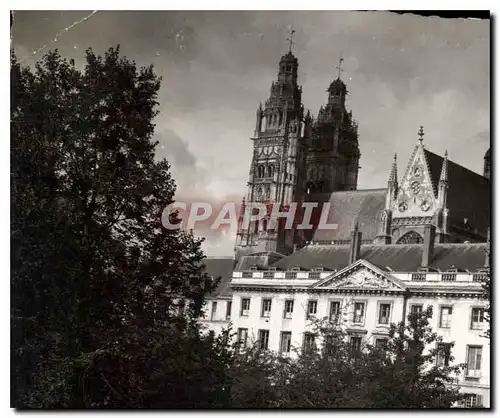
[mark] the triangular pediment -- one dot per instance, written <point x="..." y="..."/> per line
<point x="416" y="192"/>
<point x="361" y="275"/>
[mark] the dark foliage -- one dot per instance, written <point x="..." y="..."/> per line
<point x="97" y="284"/>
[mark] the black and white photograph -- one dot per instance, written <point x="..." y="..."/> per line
<point x="250" y="209"/>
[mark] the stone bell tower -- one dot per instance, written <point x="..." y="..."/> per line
<point x="333" y="158"/>
<point x="277" y="167"/>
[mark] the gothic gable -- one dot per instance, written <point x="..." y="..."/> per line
<point x="361" y="275"/>
<point x="417" y="194"/>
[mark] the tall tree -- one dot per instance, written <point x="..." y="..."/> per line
<point x="104" y="300"/>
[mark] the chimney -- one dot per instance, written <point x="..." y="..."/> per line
<point x="429" y="238"/>
<point x="357" y="249"/>
<point x="355" y="245"/>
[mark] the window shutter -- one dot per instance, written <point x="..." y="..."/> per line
<point x="479" y="400"/>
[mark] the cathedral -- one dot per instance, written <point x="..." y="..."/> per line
<point x="420" y="240"/>
<point x="298" y="158"/>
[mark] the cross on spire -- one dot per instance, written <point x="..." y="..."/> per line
<point x="339" y="67"/>
<point x="290" y="40"/>
<point x="421" y="134"/>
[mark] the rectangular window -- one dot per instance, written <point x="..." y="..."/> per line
<point x="384" y="313"/>
<point x="335" y="312"/>
<point x="214" y="311"/>
<point x="312" y="307"/>
<point x="477" y="319"/>
<point x="309" y="342"/>
<point x="329" y="348"/>
<point x="285" y="342"/>
<point x="288" y="311"/>
<point x="228" y="310"/>
<point x="472" y="400"/>
<point x="416" y="309"/>
<point x="474" y="354"/>
<point x="266" y="308"/>
<point x="263" y="339"/>
<point x="245" y="307"/>
<point x="355" y="344"/>
<point x="445" y="317"/>
<point x="443" y="354"/>
<point x="359" y="312"/>
<point x="380" y="343"/>
<point x="242" y="337"/>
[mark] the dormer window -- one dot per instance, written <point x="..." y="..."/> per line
<point x="253" y="268"/>
<point x="295" y="269"/>
<point x="318" y="268"/>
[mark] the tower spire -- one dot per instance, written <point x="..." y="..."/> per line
<point x="421" y="134"/>
<point x="444" y="168"/>
<point x="339" y="67"/>
<point x="393" y="175"/>
<point x="290" y="40"/>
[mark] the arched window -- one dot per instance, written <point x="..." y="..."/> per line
<point x="268" y="193"/>
<point x="260" y="171"/>
<point x="270" y="170"/>
<point x="411" y="237"/>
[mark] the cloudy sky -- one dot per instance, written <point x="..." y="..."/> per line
<point x="402" y="71"/>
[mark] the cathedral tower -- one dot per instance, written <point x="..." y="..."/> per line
<point x="277" y="168"/>
<point x="333" y="157"/>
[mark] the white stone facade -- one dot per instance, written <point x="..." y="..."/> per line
<point x="377" y="297"/>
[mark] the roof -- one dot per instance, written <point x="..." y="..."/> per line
<point x="337" y="84"/>
<point x="262" y="259"/>
<point x="398" y="257"/>
<point x="220" y="267"/>
<point x="347" y="207"/>
<point x="468" y="193"/>
<point x="289" y="57"/>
